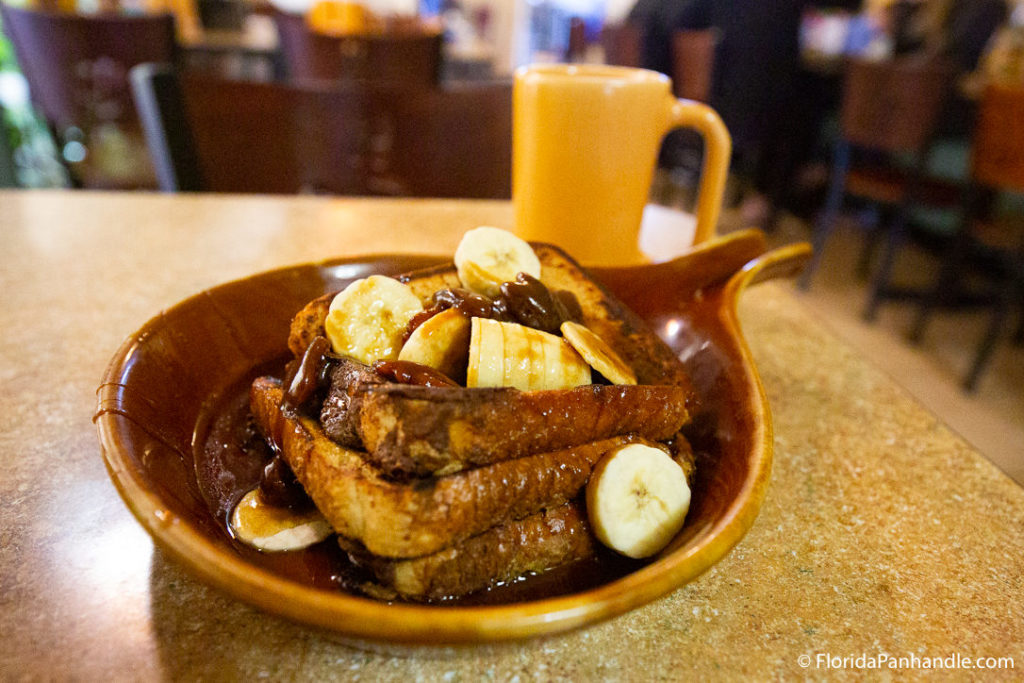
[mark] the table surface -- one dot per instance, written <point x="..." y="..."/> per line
<point x="882" y="534"/>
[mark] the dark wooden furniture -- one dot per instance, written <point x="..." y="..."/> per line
<point x="576" y="48"/>
<point x="354" y="138"/>
<point x="983" y="245"/>
<point x="77" y="71"/>
<point x="621" y="44"/>
<point x="402" y="54"/>
<point x="887" y="117"/>
<point x="250" y="53"/>
<point x="693" y="60"/>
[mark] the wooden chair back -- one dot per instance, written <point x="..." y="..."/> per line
<point x="576" y="49"/>
<point x="74" y="61"/>
<point x="401" y="55"/>
<point x="997" y="154"/>
<point x="77" y="66"/>
<point x="354" y="138"/>
<point x="893" y="105"/>
<point x="621" y="44"/>
<point x="693" y="60"/>
<point x="986" y="245"/>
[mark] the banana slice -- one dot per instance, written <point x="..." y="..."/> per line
<point x="596" y="352"/>
<point x="276" y="529"/>
<point x="367" y="320"/>
<point x="637" y="500"/>
<point x="520" y="352"/>
<point x="512" y="355"/>
<point x="441" y="342"/>
<point x="487" y="256"/>
<point x="485" y="367"/>
<point x="473" y="359"/>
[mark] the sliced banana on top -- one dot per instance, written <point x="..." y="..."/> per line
<point x="275" y="529"/>
<point x="440" y="342"/>
<point x="512" y="355"/>
<point x="597" y="352"/>
<point x="637" y="500"/>
<point x="486" y="364"/>
<point x="487" y="257"/>
<point x="367" y="320"/>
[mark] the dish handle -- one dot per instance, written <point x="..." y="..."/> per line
<point x="783" y="262"/>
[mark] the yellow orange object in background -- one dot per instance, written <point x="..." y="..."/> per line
<point x="69" y="6"/>
<point x="337" y="18"/>
<point x="186" y="17"/>
<point x="585" y="144"/>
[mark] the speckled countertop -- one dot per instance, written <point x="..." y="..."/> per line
<point x="883" y="534"/>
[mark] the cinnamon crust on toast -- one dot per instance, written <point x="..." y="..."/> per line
<point x="541" y="541"/>
<point x="411" y="519"/>
<point x="413" y="430"/>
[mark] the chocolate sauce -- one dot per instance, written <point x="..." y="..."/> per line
<point x="230" y="460"/>
<point x="526" y="301"/>
<point x="532" y="303"/>
<point x="309" y="376"/>
<point x="303" y="382"/>
<point x="570" y="305"/>
<point x="472" y="305"/>
<point x="279" y="487"/>
<point x="233" y="456"/>
<point x="418" y="319"/>
<point x="407" y="372"/>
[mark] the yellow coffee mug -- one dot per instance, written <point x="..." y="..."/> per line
<point x="585" y="145"/>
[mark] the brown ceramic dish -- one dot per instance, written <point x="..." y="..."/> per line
<point x="153" y="397"/>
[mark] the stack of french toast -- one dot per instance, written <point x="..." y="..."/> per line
<point x="479" y="421"/>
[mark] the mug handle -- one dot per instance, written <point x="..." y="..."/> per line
<point x="715" y="170"/>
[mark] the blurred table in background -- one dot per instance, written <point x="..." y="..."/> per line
<point x="250" y="52"/>
<point x="467" y="62"/>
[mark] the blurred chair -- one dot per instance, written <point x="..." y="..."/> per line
<point x="887" y="116"/>
<point x="77" y="71"/>
<point x="401" y="55"/>
<point x="576" y="48"/>
<point x="992" y="248"/>
<point x="621" y="44"/>
<point x="693" y="60"/>
<point x="354" y="138"/>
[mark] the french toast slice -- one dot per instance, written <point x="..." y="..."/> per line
<point x="420" y="517"/>
<point x="411" y="431"/>
<point x="542" y="541"/>
<point x="415" y="430"/>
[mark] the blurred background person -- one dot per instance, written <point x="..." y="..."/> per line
<point x="757" y="60"/>
<point x="754" y="75"/>
<point x="656" y="20"/>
